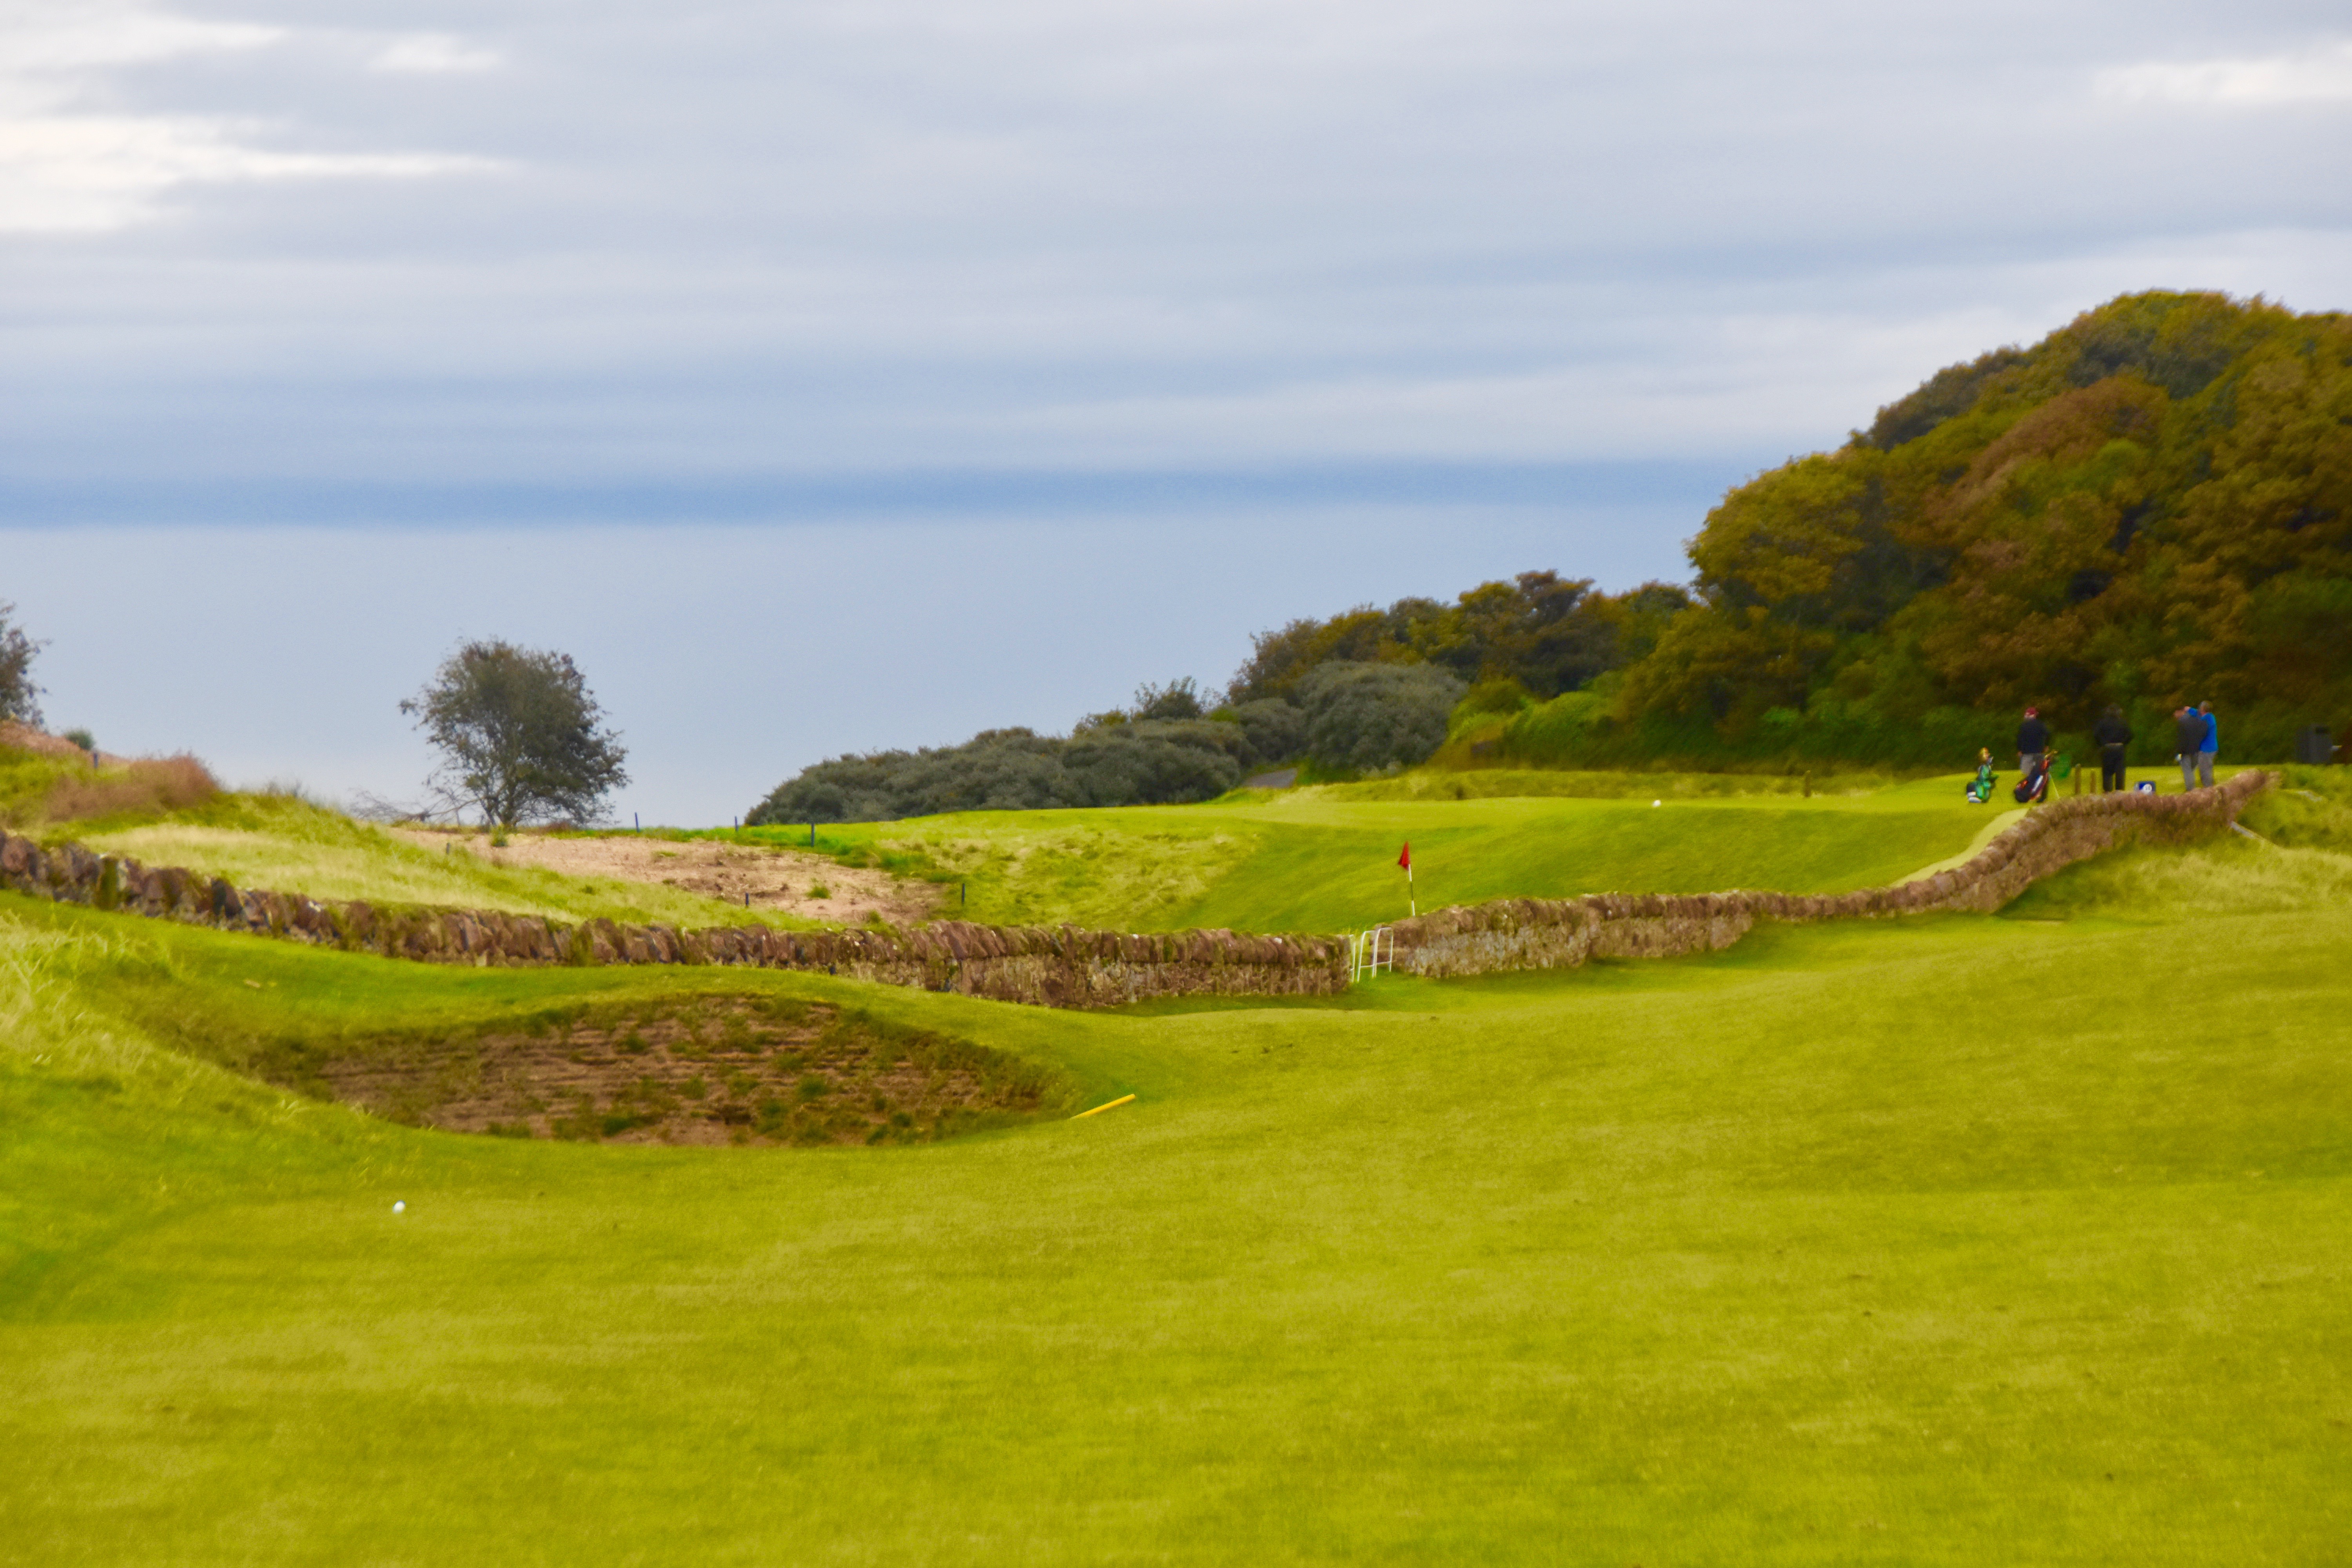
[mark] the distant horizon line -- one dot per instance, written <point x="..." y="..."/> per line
<point x="919" y="494"/>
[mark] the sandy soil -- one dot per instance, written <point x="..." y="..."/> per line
<point x="773" y="878"/>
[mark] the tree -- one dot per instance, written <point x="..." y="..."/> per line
<point x="1180" y="699"/>
<point x="518" y="736"/>
<point x="18" y="695"/>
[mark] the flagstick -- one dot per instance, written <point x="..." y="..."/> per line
<point x="1411" y="903"/>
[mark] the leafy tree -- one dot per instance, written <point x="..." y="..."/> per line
<point x="1180" y="699"/>
<point x="18" y="696"/>
<point x="518" y="735"/>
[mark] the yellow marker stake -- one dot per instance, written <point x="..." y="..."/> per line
<point x="1099" y="1109"/>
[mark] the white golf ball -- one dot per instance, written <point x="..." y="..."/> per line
<point x="1657" y="803"/>
<point x="399" y="1208"/>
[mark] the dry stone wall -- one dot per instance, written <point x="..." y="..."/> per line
<point x="1555" y="933"/>
<point x="1063" y="967"/>
<point x="1070" y="967"/>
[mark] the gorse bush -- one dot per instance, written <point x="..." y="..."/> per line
<point x="1348" y="719"/>
<point x="1361" y="717"/>
<point x="1145" y="761"/>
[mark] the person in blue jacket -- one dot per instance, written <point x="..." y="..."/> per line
<point x="2211" y="744"/>
<point x="2188" y="740"/>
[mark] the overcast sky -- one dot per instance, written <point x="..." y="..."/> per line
<point x="833" y="376"/>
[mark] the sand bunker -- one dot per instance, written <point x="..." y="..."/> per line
<point x="797" y="882"/>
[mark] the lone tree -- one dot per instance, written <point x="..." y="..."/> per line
<point x="517" y="733"/>
<point x="18" y="695"/>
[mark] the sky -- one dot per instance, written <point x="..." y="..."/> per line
<point x="826" y="377"/>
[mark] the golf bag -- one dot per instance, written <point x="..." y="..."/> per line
<point x="1980" y="786"/>
<point x="2035" y="786"/>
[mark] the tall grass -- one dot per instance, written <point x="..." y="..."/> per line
<point x="2299" y="858"/>
<point x="149" y="785"/>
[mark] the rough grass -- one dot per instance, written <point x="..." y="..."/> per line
<point x="2300" y="858"/>
<point x="296" y="845"/>
<point x="150" y="785"/>
<point x="1089" y="869"/>
<point x="1931" y="1242"/>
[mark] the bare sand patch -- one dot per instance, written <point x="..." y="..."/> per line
<point x="796" y="882"/>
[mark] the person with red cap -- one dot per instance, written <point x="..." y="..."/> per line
<point x="2032" y="739"/>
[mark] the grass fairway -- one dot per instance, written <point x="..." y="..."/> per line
<point x="1956" y="1241"/>
<point x="1324" y="860"/>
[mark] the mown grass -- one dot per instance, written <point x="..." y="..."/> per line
<point x="1324" y="859"/>
<point x="1947" y="1241"/>
<point x="292" y="844"/>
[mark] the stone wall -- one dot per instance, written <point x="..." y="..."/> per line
<point x="1070" y="967"/>
<point x="1063" y="967"/>
<point x="1554" y="933"/>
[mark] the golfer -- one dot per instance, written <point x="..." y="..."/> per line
<point x="2189" y="737"/>
<point x="2209" y="744"/>
<point x="2113" y="735"/>
<point x="2032" y="739"/>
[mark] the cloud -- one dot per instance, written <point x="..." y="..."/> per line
<point x="71" y="162"/>
<point x="2320" y="74"/>
<point x="433" y="54"/>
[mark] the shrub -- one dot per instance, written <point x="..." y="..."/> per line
<point x="1135" y="762"/>
<point x="1364" y="717"/>
<point x="1276" y="730"/>
<point x="1180" y="699"/>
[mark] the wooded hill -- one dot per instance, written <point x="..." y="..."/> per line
<point x="2149" y="505"/>
<point x="2152" y="505"/>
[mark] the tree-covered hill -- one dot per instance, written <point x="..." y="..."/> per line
<point x="2152" y="505"/>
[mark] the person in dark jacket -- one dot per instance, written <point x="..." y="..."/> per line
<point x="2113" y="735"/>
<point x="2188" y="736"/>
<point x="2032" y="739"/>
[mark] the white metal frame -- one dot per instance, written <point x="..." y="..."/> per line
<point x="1371" y="952"/>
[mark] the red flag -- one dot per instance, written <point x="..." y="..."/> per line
<point x="1405" y="859"/>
